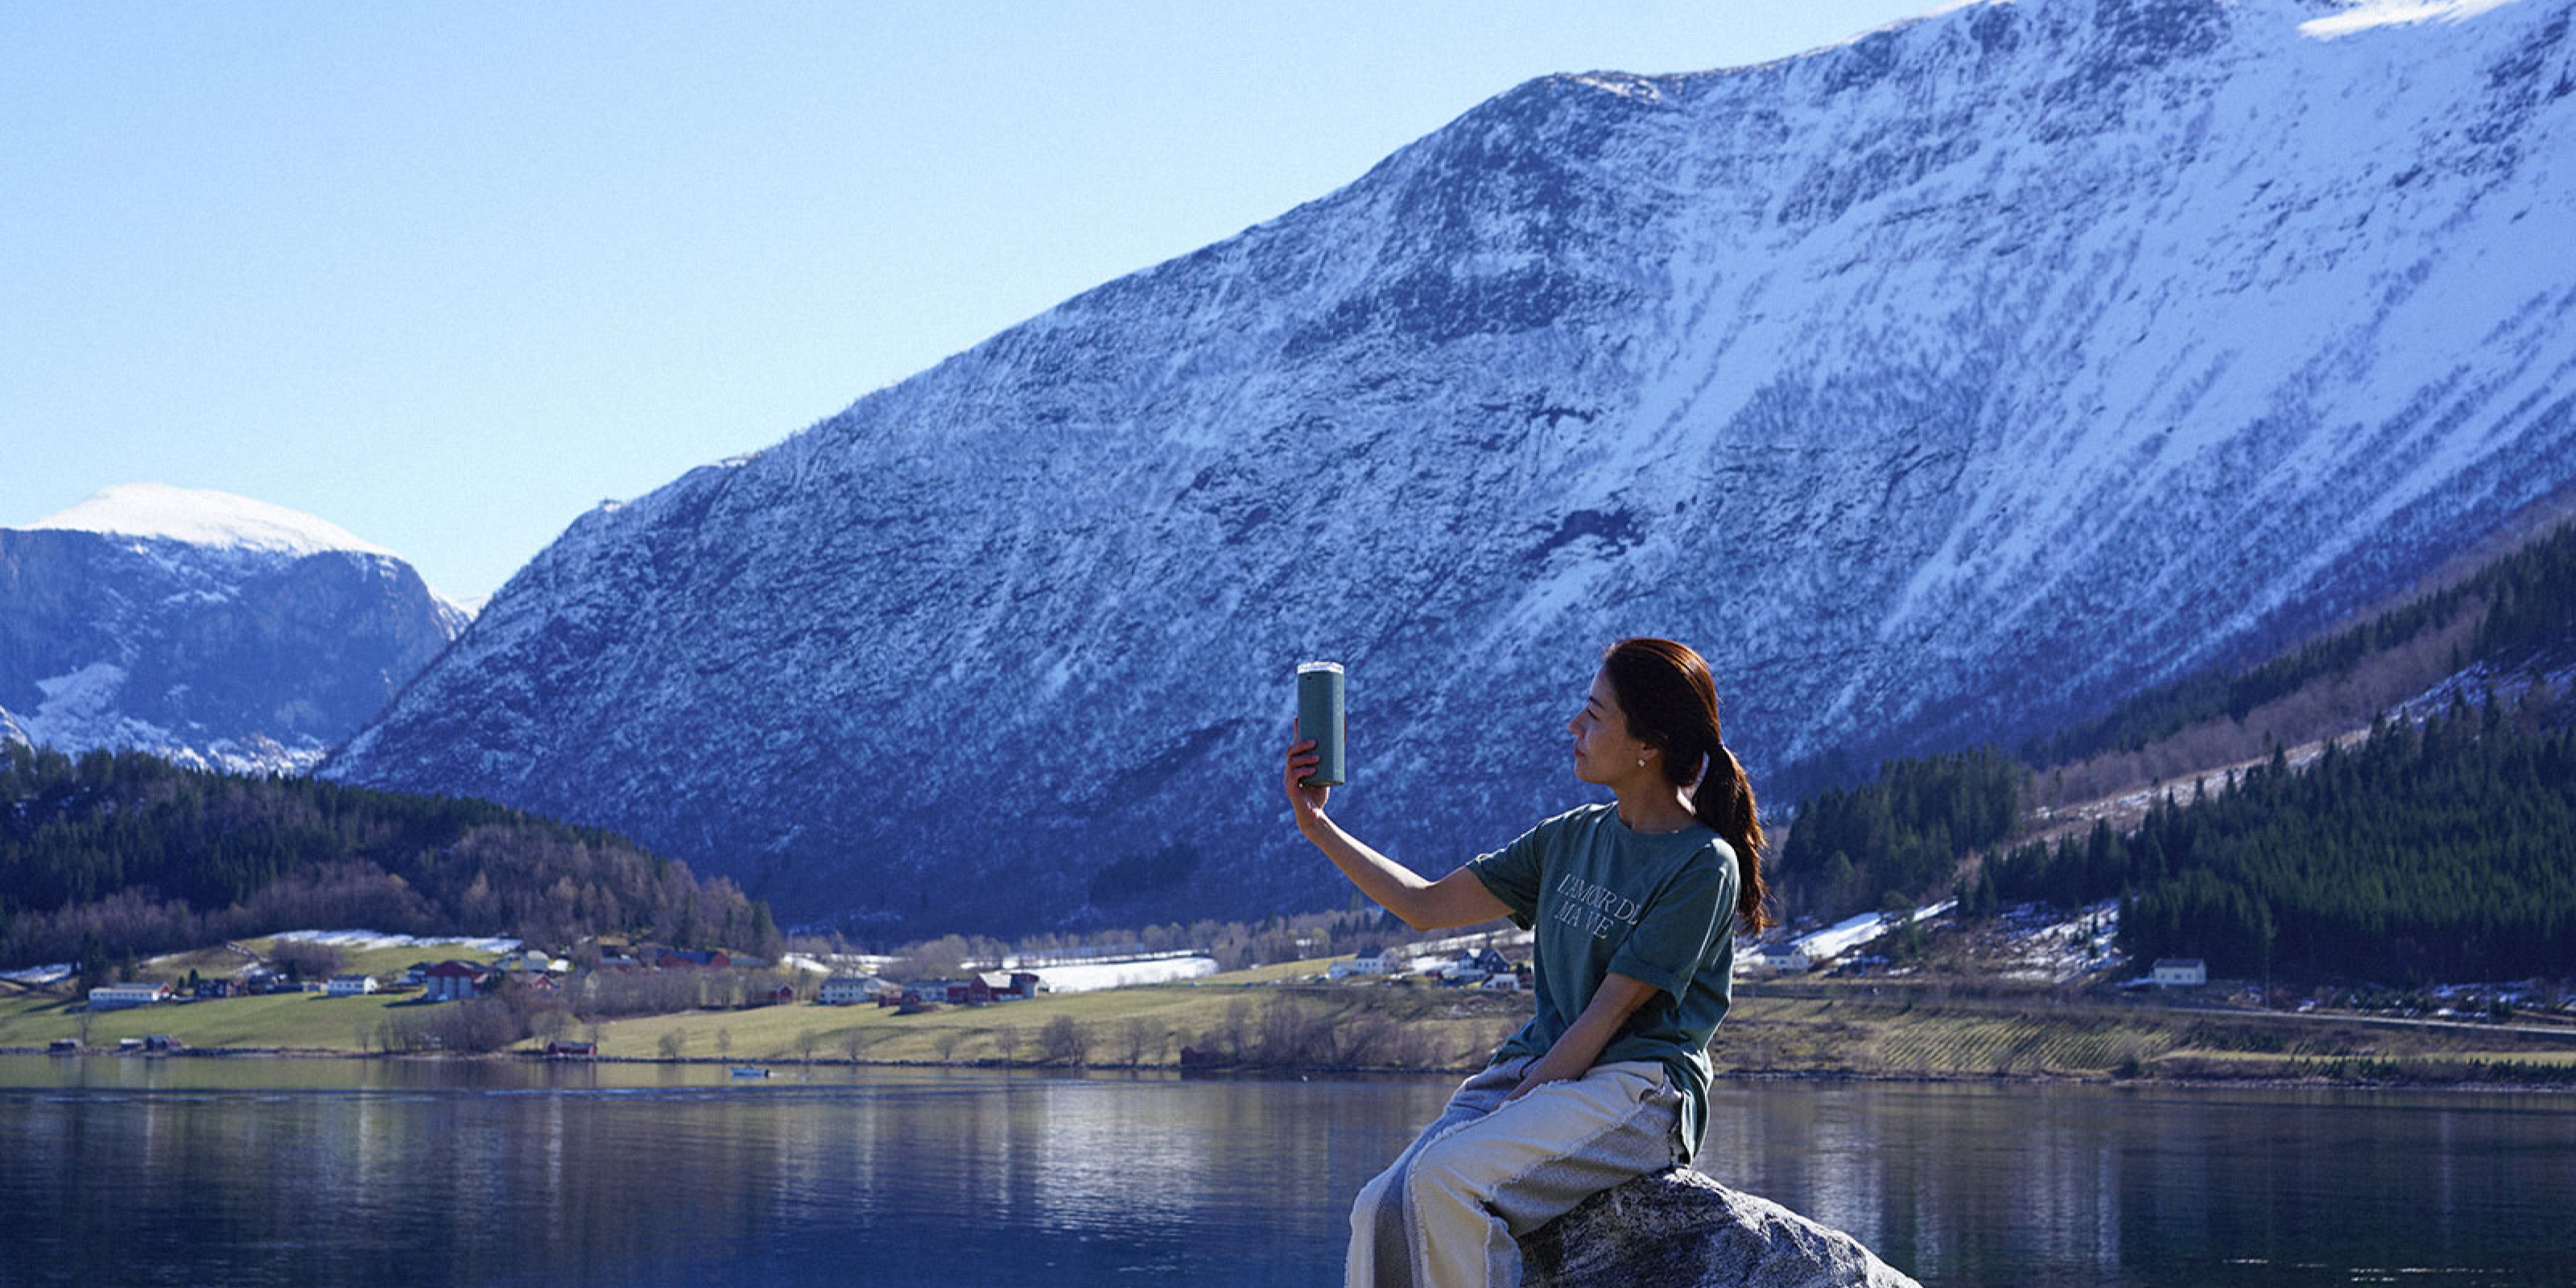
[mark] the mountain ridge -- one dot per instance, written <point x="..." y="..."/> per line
<point x="1943" y="384"/>
<point x="212" y="629"/>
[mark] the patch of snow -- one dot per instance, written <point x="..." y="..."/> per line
<point x="1497" y="940"/>
<point x="79" y="711"/>
<point x="2365" y="15"/>
<point x="2060" y="951"/>
<point x="255" y="755"/>
<point x="1851" y="932"/>
<point x="205" y="518"/>
<point x="81" y="694"/>
<point x="53" y="974"/>
<point x="836" y="964"/>
<point x="1093" y="977"/>
<point x="368" y="940"/>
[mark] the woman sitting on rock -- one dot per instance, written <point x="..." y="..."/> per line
<point x="1634" y="909"/>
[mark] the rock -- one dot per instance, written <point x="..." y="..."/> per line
<point x="1679" y="1229"/>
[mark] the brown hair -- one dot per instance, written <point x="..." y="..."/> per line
<point x="1665" y="690"/>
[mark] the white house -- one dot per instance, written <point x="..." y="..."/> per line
<point x="1783" y="958"/>
<point x="351" y="985"/>
<point x="846" y="990"/>
<point x="1385" y="961"/>
<point x="2181" y="972"/>
<point x="116" y="997"/>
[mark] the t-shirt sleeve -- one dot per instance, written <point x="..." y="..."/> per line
<point x="1675" y="930"/>
<point x="1512" y="873"/>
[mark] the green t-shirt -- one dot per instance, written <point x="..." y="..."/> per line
<point x="1657" y="909"/>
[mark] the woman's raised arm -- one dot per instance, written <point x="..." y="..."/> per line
<point x="1458" y="899"/>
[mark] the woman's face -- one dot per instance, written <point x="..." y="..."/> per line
<point x="1604" y="751"/>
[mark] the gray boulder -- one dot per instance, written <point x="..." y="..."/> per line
<point x="1679" y="1229"/>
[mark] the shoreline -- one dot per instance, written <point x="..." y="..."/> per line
<point x="2176" y="1079"/>
<point x="1281" y="1022"/>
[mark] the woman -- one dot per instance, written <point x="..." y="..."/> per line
<point x="1635" y="944"/>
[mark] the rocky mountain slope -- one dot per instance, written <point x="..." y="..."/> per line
<point x="1942" y="385"/>
<point x="211" y="629"/>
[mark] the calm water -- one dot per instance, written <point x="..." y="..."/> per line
<point x="383" y="1174"/>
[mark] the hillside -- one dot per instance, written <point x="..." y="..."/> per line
<point x="1948" y="385"/>
<point x="118" y="854"/>
<point x="2505" y="626"/>
<point x="2428" y="831"/>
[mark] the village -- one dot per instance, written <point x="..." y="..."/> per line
<point x="1928" y="994"/>
<point x="798" y="978"/>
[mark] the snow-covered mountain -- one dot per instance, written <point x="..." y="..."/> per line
<point x="1941" y="385"/>
<point x="209" y="628"/>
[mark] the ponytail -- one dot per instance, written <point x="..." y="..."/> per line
<point x="1723" y="802"/>
<point x="1671" y="704"/>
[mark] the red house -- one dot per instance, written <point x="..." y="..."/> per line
<point x="986" y="987"/>
<point x="709" y="958"/>
<point x="451" y="980"/>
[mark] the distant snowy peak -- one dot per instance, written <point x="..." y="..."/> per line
<point x="211" y="629"/>
<point x="203" y="517"/>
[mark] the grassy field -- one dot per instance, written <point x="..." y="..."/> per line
<point x="1237" y="1012"/>
<point x="276" y="1021"/>
<point x="2051" y="1035"/>
<point x="1281" y="1017"/>
<point x="1261" y="1013"/>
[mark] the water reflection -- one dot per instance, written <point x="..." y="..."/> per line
<point x="1987" y="1184"/>
<point x="395" y="1173"/>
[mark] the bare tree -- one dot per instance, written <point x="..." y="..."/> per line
<point x="305" y="959"/>
<point x="550" y="1022"/>
<point x="1236" y="1033"/>
<point x="1064" y="1041"/>
<point x="1006" y="1040"/>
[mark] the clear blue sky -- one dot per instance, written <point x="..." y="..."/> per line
<point x="449" y="274"/>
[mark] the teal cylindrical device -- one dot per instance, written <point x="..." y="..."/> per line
<point x="1319" y="716"/>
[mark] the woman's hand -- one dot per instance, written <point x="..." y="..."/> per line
<point x="1458" y="899"/>
<point x="1306" y="804"/>
<point x="1612" y="1003"/>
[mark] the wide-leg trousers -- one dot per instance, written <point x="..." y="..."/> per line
<point x="1449" y="1212"/>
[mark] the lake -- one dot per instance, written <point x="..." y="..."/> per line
<point x="382" y="1173"/>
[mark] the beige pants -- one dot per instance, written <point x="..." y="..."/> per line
<point x="1449" y="1211"/>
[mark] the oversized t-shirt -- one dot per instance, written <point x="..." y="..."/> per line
<point x="1657" y="909"/>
